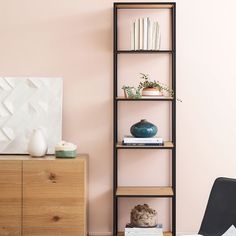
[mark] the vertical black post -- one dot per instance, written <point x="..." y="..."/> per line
<point x="115" y="161"/>
<point x="173" y="16"/>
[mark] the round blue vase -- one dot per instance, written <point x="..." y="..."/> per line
<point x="143" y="129"/>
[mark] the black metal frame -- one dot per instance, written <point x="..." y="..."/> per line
<point x="116" y="100"/>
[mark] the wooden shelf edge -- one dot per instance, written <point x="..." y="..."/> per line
<point x="167" y="145"/>
<point x="163" y="98"/>
<point x="165" y="234"/>
<point x="143" y="51"/>
<point x="144" y="5"/>
<point x="140" y="191"/>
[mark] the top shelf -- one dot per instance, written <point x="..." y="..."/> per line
<point x="142" y="51"/>
<point x="148" y="5"/>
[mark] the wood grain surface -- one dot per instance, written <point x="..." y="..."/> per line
<point x="10" y="198"/>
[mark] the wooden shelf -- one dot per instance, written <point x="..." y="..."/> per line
<point x="167" y="145"/>
<point x="144" y="192"/>
<point x="165" y="234"/>
<point x="143" y="51"/>
<point x="144" y="5"/>
<point x="163" y="98"/>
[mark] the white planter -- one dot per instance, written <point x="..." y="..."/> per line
<point x="37" y="144"/>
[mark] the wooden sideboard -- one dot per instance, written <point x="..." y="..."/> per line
<point x="43" y="196"/>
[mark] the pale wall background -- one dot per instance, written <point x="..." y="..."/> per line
<point x="73" y="39"/>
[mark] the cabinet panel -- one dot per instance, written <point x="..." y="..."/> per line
<point x="10" y="198"/>
<point x="54" y="198"/>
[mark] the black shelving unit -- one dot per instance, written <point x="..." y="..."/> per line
<point x="155" y="191"/>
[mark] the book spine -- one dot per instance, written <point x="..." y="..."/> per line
<point x="150" y="28"/>
<point x="144" y="141"/>
<point x="136" y="35"/>
<point x="154" y="35"/>
<point x="145" y="33"/>
<point x="132" y="40"/>
<point x="143" y="144"/>
<point x="143" y="233"/>
<point x="158" y="37"/>
<point x="141" y="33"/>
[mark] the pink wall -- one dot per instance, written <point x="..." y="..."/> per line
<point x="73" y="39"/>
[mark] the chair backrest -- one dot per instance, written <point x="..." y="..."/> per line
<point x="220" y="213"/>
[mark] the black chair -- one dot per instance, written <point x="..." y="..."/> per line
<point x="220" y="213"/>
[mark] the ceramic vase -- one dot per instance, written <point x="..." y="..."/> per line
<point x="37" y="144"/>
<point x="143" y="129"/>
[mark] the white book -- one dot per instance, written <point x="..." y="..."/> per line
<point x="158" y="37"/>
<point x="150" y="29"/>
<point x="143" y="142"/>
<point x="145" y="33"/>
<point x="136" y="35"/>
<point x="131" y="139"/>
<point x="143" y="139"/>
<point x="143" y="234"/>
<point x="132" y="41"/>
<point x="154" y="34"/>
<point x="141" y="33"/>
<point x="144" y="230"/>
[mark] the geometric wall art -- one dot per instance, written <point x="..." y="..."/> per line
<point x="28" y="103"/>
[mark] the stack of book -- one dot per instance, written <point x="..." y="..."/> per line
<point x="130" y="140"/>
<point x="136" y="231"/>
<point x="145" y="34"/>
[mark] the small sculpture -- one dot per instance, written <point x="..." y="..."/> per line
<point x="143" y="216"/>
<point x="37" y="146"/>
<point x="143" y="129"/>
<point x="65" y="150"/>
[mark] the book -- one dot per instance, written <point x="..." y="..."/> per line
<point x="154" y="34"/>
<point x="158" y="37"/>
<point x="132" y="40"/>
<point x="150" y="29"/>
<point x="150" y="231"/>
<point x="154" y="140"/>
<point x="141" y="21"/>
<point x="136" y="35"/>
<point x="145" y="33"/>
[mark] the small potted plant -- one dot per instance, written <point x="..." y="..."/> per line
<point x="153" y="88"/>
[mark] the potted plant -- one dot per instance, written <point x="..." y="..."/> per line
<point x="153" y="88"/>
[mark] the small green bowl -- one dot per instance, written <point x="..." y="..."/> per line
<point x="66" y="154"/>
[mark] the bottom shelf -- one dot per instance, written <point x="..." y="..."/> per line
<point x="165" y="234"/>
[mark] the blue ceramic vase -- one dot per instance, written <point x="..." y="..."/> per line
<point x="143" y="129"/>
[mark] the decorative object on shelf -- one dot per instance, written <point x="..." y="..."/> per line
<point x="27" y="103"/>
<point x="37" y="144"/>
<point x="145" y="34"/>
<point x="153" y="88"/>
<point x="148" y="89"/>
<point x="150" y="231"/>
<point x="143" y="216"/>
<point x="65" y="150"/>
<point x="143" y="129"/>
<point x="130" y="140"/>
<point x="131" y="92"/>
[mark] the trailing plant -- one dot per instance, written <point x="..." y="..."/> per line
<point x="153" y="84"/>
<point x="135" y="93"/>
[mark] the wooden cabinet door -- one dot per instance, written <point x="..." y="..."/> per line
<point x="54" y="198"/>
<point x="10" y="198"/>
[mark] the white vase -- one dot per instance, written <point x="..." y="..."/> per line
<point x="37" y="144"/>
